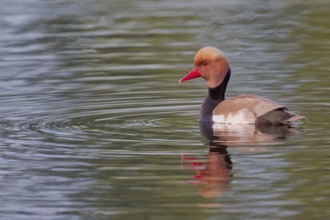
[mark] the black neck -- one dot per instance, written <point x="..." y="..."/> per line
<point x="214" y="97"/>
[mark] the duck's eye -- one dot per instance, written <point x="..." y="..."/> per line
<point x="204" y="63"/>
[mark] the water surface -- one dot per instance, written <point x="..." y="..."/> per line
<point x="95" y="126"/>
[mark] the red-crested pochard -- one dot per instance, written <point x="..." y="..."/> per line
<point x="212" y="65"/>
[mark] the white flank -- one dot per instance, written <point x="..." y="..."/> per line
<point x="243" y="116"/>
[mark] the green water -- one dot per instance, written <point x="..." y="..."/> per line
<point x="94" y="124"/>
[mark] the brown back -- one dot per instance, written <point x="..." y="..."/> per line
<point x="257" y="105"/>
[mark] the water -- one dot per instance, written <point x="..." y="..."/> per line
<point x="95" y="126"/>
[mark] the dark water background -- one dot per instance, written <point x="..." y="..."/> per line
<point x="95" y="126"/>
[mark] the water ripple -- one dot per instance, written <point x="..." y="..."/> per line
<point x="93" y="119"/>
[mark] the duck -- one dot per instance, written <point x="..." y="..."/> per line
<point x="211" y="64"/>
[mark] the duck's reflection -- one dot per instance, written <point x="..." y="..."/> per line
<point x="214" y="174"/>
<point x="238" y="135"/>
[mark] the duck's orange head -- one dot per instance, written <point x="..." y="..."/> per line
<point x="210" y="64"/>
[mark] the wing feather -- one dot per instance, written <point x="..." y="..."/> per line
<point x="256" y="105"/>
